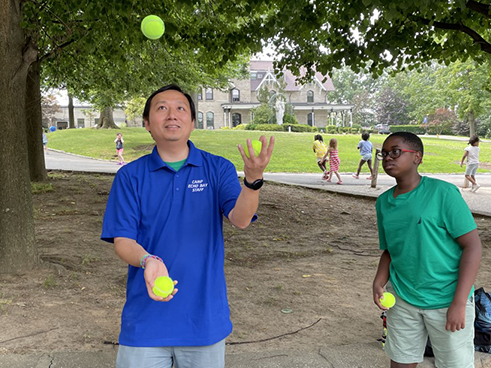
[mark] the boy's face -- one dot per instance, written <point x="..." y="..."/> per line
<point x="403" y="166"/>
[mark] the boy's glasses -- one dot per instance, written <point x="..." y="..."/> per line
<point x="394" y="153"/>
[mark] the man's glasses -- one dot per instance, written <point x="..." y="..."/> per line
<point x="394" y="153"/>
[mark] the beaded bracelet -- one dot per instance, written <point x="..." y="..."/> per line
<point x="144" y="259"/>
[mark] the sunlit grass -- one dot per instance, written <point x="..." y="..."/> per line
<point x="292" y="153"/>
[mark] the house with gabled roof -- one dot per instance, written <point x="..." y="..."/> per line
<point x="310" y="102"/>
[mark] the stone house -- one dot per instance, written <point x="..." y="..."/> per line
<point x="310" y="102"/>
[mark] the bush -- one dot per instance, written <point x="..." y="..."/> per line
<point x="300" y="128"/>
<point x="263" y="114"/>
<point x="240" y="127"/>
<point x="251" y="126"/>
<point x="289" y="119"/>
<point x="332" y="129"/>
<point x="267" y="127"/>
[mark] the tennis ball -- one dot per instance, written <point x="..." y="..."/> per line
<point x="388" y="300"/>
<point x="256" y="145"/>
<point x="164" y="286"/>
<point x="153" y="27"/>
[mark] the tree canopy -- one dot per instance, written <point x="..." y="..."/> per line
<point x="377" y="34"/>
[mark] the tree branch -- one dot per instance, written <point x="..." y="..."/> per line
<point x="479" y="7"/>
<point x="485" y="45"/>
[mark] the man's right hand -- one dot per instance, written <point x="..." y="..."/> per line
<point x="153" y="269"/>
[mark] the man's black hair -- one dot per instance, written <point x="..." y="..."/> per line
<point x="174" y="87"/>
<point x="411" y="139"/>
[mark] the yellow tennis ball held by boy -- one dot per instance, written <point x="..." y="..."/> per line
<point x="388" y="300"/>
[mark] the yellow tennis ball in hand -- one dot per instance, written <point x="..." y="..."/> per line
<point x="153" y="27"/>
<point x="388" y="300"/>
<point x="256" y="146"/>
<point x="164" y="286"/>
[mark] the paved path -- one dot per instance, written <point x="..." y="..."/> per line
<point x="363" y="355"/>
<point x="479" y="202"/>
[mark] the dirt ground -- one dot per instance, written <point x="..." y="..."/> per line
<point x="307" y="264"/>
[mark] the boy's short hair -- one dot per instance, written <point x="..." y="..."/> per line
<point x="318" y="137"/>
<point x="411" y="139"/>
<point x="473" y="139"/>
<point x="174" y="87"/>
<point x="365" y="136"/>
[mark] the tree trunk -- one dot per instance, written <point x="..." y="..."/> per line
<point x="34" y="121"/>
<point x="472" y="124"/>
<point x="106" y="120"/>
<point x="17" y="242"/>
<point x="71" y="115"/>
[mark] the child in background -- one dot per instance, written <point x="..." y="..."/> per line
<point x="45" y="142"/>
<point x="472" y="154"/>
<point x="320" y="150"/>
<point x="119" y="148"/>
<point x="365" y="147"/>
<point x="334" y="161"/>
<point x="431" y="255"/>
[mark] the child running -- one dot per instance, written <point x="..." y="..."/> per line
<point x="365" y="147"/>
<point x="320" y="150"/>
<point x="431" y="255"/>
<point x="334" y="161"/>
<point x="119" y="148"/>
<point x="472" y="154"/>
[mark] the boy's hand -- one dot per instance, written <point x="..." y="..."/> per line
<point x="378" y="292"/>
<point x="455" y="317"/>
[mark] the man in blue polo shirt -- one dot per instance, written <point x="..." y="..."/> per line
<point x="165" y="217"/>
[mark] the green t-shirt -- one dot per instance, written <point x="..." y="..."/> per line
<point x="419" y="230"/>
<point x="176" y="165"/>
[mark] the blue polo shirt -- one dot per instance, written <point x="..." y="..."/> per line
<point x="179" y="217"/>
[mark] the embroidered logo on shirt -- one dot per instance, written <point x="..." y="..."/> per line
<point x="197" y="185"/>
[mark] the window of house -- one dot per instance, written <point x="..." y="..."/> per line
<point x="310" y="96"/>
<point x="259" y="76"/>
<point x="210" y="123"/>
<point x="236" y="119"/>
<point x="199" y="122"/>
<point x="253" y="76"/>
<point x="200" y="94"/>
<point x="81" y="123"/>
<point x="209" y="93"/>
<point x="235" y="95"/>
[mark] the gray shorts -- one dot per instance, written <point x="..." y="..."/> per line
<point x="211" y="356"/>
<point x="471" y="169"/>
<point x="408" y="329"/>
<point x="366" y="157"/>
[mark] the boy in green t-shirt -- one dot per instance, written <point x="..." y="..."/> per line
<point x="431" y="257"/>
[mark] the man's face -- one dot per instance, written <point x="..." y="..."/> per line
<point x="169" y="119"/>
<point x="405" y="164"/>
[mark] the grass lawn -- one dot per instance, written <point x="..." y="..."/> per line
<point x="292" y="153"/>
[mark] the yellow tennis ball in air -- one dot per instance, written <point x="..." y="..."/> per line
<point x="388" y="300"/>
<point x="164" y="286"/>
<point x="256" y="145"/>
<point x="153" y="27"/>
